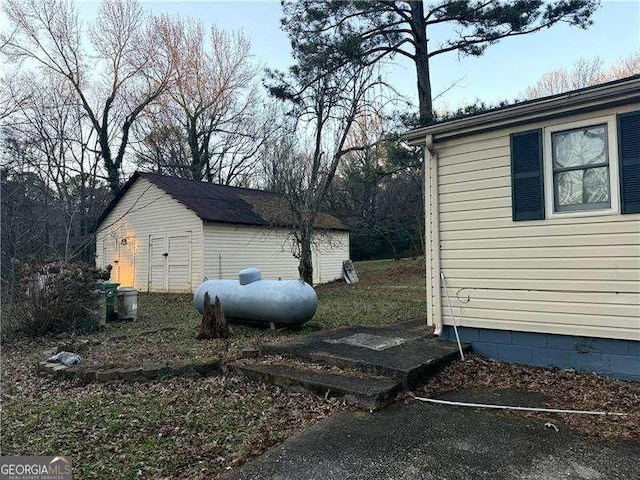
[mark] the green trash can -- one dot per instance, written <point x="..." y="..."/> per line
<point x="110" y="289"/>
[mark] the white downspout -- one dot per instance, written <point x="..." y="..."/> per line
<point x="432" y="204"/>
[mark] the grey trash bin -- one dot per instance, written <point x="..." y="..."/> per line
<point x="127" y="303"/>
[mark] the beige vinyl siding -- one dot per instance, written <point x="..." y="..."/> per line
<point x="230" y="248"/>
<point x="147" y="211"/>
<point x="571" y="275"/>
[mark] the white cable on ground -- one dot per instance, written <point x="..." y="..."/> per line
<point x="455" y="328"/>
<point x="508" y="407"/>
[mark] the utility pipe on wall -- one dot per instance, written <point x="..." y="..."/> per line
<point x="453" y="318"/>
<point x="433" y="244"/>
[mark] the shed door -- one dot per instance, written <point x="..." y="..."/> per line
<point x="125" y="265"/>
<point x="157" y="264"/>
<point x="179" y="263"/>
<point x="110" y="255"/>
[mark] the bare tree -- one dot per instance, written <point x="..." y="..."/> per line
<point x="214" y="101"/>
<point x="238" y="150"/>
<point x="378" y="192"/>
<point x="625" y="67"/>
<point x="163" y="149"/>
<point x="584" y="73"/>
<point x="128" y="67"/>
<point x="327" y="115"/>
<point x="50" y="136"/>
<point x="233" y="154"/>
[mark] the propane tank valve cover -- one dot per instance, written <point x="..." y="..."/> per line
<point x="249" y="275"/>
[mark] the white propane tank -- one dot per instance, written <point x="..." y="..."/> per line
<point x="290" y="302"/>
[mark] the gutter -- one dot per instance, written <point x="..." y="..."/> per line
<point x="432" y="254"/>
<point x="619" y="92"/>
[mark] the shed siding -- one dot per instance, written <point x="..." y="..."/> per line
<point x="230" y="248"/>
<point x="573" y="276"/>
<point x="333" y="249"/>
<point x="145" y="211"/>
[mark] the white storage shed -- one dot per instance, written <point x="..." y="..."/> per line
<point x="166" y="234"/>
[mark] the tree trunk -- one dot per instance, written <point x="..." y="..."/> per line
<point x="305" y="268"/>
<point x="421" y="61"/>
<point x="214" y="323"/>
<point x="192" y="140"/>
<point x="112" y="167"/>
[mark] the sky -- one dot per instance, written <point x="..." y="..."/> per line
<point x="502" y="73"/>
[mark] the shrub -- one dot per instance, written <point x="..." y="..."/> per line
<point x="52" y="297"/>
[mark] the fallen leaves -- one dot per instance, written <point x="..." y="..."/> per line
<point x="193" y="428"/>
<point x="565" y="389"/>
<point x="181" y="427"/>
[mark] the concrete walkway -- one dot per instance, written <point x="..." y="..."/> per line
<point x="419" y="441"/>
<point x="377" y="362"/>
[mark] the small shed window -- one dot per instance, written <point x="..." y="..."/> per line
<point x="581" y="168"/>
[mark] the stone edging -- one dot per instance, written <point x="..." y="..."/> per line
<point x="144" y="372"/>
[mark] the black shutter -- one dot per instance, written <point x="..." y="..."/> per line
<point x="527" y="176"/>
<point x="629" y="161"/>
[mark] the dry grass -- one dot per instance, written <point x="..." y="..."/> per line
<point x="180" y="427"/>
<point x="176" y="428"/>
<point x="389" y="292"/>
<point x="196" y="428"/>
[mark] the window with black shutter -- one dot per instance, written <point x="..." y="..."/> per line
<point x="574" y="169"/>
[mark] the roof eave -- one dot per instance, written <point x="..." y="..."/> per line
<point x="619" y="92"/>
<point x="273" y="225"/>
<point x="136" y="175"/>
<point x="114" y="201"/>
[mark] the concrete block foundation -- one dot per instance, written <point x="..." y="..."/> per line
<point x="605" y="356"/>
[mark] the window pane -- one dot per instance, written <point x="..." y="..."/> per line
<point x="582" y="146"/>
<point x="586" y="189"/>
<point x="568" y="186"/>
<point x="596" y="185"/>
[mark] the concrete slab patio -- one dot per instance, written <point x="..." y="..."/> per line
<point x="418" y="441"/>
<point x="404" y="351"/>
<point x="378" y="362"/>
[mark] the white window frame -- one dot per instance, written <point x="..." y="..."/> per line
<point x="614" y="179"/>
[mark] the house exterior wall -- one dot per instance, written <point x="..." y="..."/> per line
<point x="572" y="276"/>
<point x="230" y="248"/>
<point x="147" y="216"/>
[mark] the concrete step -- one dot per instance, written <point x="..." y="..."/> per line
<point x="360" y="390"/>
<point x="410" y="361"/>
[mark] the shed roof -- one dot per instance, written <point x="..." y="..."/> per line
<point x="617" y="92"/>
<point x="221" y="203"/>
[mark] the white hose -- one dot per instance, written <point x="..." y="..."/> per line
<point x="508" y="407"/>
<point x="455" y="328"/>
